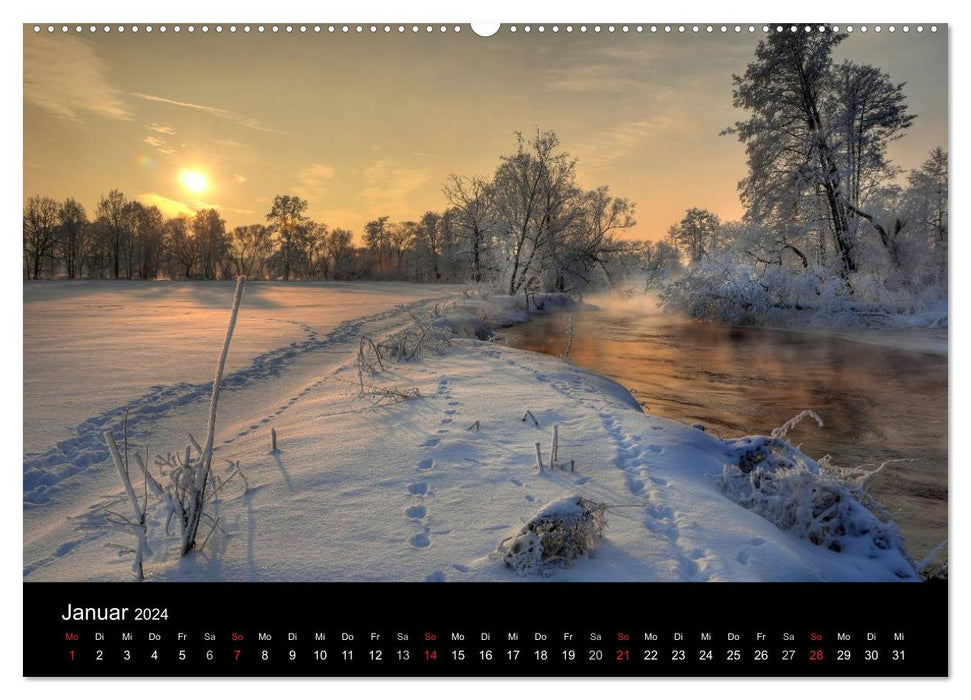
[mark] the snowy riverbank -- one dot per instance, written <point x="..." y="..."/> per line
<point x="371" y="488"/>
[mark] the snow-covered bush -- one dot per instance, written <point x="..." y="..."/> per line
<point x="732" y="288"/>
<point x="423" y="335"/>
<point x="559" y="533"/>
<point x="814" y="500"/>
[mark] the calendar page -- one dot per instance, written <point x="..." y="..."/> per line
<point x="546" y="349"/>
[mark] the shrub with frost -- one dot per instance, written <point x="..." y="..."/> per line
<point x="559" y="533"/>
<point x="813" y="500"/>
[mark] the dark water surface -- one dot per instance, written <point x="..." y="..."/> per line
<point x="878" y="403"/>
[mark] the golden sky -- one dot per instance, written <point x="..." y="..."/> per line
<point x="365" y="125"/>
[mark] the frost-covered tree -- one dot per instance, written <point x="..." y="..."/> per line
<point x="471" y="199"/>
<point x="868" y="112"/>
<point x="535" y="189"/>
<point x="40" y="234"/>
<point x="815" y="131"/>
<point x="579" y="257"/>
<point x="697" y="234"/>
<point x="657" y="260"/>
<point x="927" y="204"/>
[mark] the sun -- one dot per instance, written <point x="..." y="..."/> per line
<point x="194" y="181"/>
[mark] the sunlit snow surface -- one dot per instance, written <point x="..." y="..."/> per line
<point x="399" y="492"/>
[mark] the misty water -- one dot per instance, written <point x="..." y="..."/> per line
<point x="879" y="403"/>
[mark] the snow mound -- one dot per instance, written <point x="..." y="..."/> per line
<point x="559" y="533"/>
<point x="772" y="478"/>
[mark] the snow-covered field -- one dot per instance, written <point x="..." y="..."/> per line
<point x="362" y="489"/>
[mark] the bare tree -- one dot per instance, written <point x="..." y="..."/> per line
<point x="249" y="248"/>
<point x="113" y="222"/>
<point x="286" y="218"/>
<point x="377" y="236"/>
<point x="209" y="231"/>
<point x="72" y="236"/>
<point x="40" y="233"/>
<point x="182" y="245"/>
<point x="149" y="247"/>
<point x="337" y="245"/>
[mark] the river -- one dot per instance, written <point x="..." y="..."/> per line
<point x="878" y="402"/>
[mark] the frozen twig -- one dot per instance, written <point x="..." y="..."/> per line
<point x="204" y="465"/>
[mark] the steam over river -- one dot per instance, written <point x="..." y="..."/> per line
<point x="878" y="402"/>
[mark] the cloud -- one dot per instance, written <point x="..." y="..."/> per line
<point x="229" y="143"/>
<point x="173" y="207"/>
<point x="235" y="117"/>
<point x="65" y="76"/>
<point x="169" y="207"/>
<point x="238" y="179"/>
<point x="160" y="129"/>
<point x="160" y="145"/>
<point x="314" y="179"/>
<point x="389" y="187"/>
<point x="592" y="78"/>
<point x="619" y="141"/>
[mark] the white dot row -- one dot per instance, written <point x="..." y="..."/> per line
<point x="414" y="28"/>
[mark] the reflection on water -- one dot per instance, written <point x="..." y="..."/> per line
<point x="878" y="402"/>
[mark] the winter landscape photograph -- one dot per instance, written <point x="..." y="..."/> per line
<point x="410" y="304"/>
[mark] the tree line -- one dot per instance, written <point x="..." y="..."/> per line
<point x="527" y="226"/>
<point x="825" y="207"/>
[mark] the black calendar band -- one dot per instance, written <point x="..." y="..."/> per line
<point x="469" y="629"/>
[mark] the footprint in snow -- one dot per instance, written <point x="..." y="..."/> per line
<point x="431" y="442"/>
<point x="450" y="412"/>
<point x="435" y="577"/>
<point x="421" y="540"/>
<point x="756" y="541"/>
<point x="446" y="421"/>
<point x="416" y="512"/>
<point x="659" y="481"/>
<point x="419" y="488"/>
<point x="656" y="449"/>
<point x="517" y="482"/>
<point x="742" y="558"/>
<point x="530" y="498"/>
<point x="461" y="567"/>
<point x="426" y="464"/>
<point x="582" y="480"/>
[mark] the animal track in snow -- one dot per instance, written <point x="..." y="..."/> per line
<point x="419" y="488"/>
<point x="421" y="540"/>
<point x="416" y="512"/>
